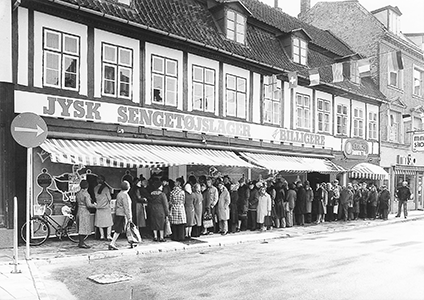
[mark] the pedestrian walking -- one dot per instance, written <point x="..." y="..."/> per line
<point x="123" y="214"/>
<point x="103" y="217"/>
<point x="83" y="200"/>
<point x="403" y="194"/>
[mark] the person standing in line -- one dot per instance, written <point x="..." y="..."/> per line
<point x="139" y="197"/>
<point x="253" y="205"/>
<point x="264" y="206"/>
<point x="189" y="210"/>
<point x="372" y="202"/>
<point x="308" y="204"/>
<point x="317" y="203"/>
<point x="346" y="197"/>
<point x="198" y="210"/>
<point x="357" y="196"/>
<point x="159" y="210"/>
<point x="291" y="202"/>
<point x="223" y="207"/>
<point x="242" y="204"/>
<point x="324" y="201"/>
<point x="210" y="199"/>
<point x="123" y="213"/>
<point x="233" y="207"/>
<point x="403" y="194"/>
<point x="103" y="217"/>
<point x="300" y="206"/>
<point x="177" y="214"/>
<point x="83" y="199"/>
<point x="336" y="196"/>
<point x="270" y="190"/>
<point x="384" y="199"/>
<point x="363" y="212"/>
<point x="330" y="203"/>
<point x="280" y="195"/>
<point x="165" y="186"/>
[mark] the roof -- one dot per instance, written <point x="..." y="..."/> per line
<point x="190" y="20"/>
<point x="388" y="7"/>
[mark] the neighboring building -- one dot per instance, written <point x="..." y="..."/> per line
<point x="173" y="88"/>
<point x="378" y="35"/>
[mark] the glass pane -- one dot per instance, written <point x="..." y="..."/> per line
<point x="241" y="84"/>
<point x="231" y="82"/>
<point x="241" y="105"/>
<point x="109" y="87"/>
<point x="158" y="64"/>
<point x="109" y="53"/>
<point x="345" y="110"/>
<point x="240" y="37"/>
<point x="296" y="42"/>
<point x="109" y="72"/>
<point x="326" y="106"/>
<point x="299" y="100"/>
<point x="52" y="40"/>
<point x="124" y="75"/>
<point x="306" y="101"/>
<point x="158" y="88"/>
<point x="231" y="103"/>
<point x="197" y="96"/>
<point x="231" y="15"/>
<point x="70" y="65"/>
<point x="209" y="98"/>
<point x="52" y="61"/>
<point x="320" y="104"/>
<point x="52" y="77"/>
<point x="124" y="89"/>
<point x="125" y="57"/>
<point x="240" y="19"/>
<point x="230" y="34"/>
<point x="71" y="44"/>
<point x="171" y="91"/>
<point x="197" y="74"/>
<point x="276" y="112"/>
<point x="210" y="76"/>
<point x="171" y="67"/>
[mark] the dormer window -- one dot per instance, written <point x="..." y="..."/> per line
<point x="236" y="26"/>
<point x="354" y="72"/>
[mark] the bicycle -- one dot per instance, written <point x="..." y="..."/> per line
<point x="41" y="223"/>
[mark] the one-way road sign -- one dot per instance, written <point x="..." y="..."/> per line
<point x="29" y="130"/>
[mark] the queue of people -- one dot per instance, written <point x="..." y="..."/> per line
<point x="210" y="205"/>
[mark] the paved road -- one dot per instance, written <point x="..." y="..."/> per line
<point x="384" y="262"/>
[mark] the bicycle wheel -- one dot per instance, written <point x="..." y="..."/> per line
<point x="39" y="231"/>
<point x="71" y="230"/>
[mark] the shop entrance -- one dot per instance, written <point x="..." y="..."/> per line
<point x="316" y="177"/>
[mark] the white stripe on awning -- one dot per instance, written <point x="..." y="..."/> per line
<point x="292" y="164"/>
<point x="130" y="155"/>
<point x="368" y="171"/>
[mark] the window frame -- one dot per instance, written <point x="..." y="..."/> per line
<point x="237" y="93"/>
<point x="272" y="95"/>
<point x="372" y="125"/>
<point x="354" y="72"/>
<point x="204" y="84"/>
<point x="305" y="112"/>
<point x="61" y="54"/>
<point x="397" y="132"/>
<point x="324" y="113"/>
<point x="297" y="51"/>
<point x="342" y="116"/>
<point x="166" y="77"/>
<point x="233" y="26"/>
<point x="420" y="79"/>
<point x="358" y="122"/>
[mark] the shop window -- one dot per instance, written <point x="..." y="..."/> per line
<point x="394" y="127"/>
<point x="236" y="96"/>
<point x="324" y="112"/>
<point x="203" y="89"/>
<point x="358" y="123"/>
<point x="300" y="51"/>
<point x="236" y="26"/>
<point x="342" y="112"/>
<point x="164" y="80"/>
<point x="303" y="111"/>
<point x="61" y="56"/>
<point x="272" y="100"/>
<point x="117" y="69"/>
<point x="372" y="126"/>
<point x="418" y="82"/>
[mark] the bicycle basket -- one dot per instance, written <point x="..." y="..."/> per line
<point x="39" y="210"/>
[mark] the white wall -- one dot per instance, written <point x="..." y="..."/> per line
<point x="6" y="41"/>
<point x="23" y="46"/>
<point x="256" y="113"/>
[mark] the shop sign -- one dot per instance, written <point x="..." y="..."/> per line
<point x="356" y="149"/>
<point x="87" y="110"/>
<point x="418" y="142"/>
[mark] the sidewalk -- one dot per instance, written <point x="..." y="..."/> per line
<point x="28" y="285"/>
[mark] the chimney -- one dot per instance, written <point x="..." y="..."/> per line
<point x="275" y="3"/>
<point x="304" y="6"/>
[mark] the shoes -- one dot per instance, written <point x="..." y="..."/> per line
<point x="102" y="238"/>
<point x="224" y="233"/>
<point x="237" y="229"/>
<point x="155" y="239"/>
<point x="397" y="216"/>
<point x="133" y="245"/>
<point x="112" y="247"/>
<point x="84" y="246"/>
<point x="406" y="217"/>
<point x="162" y="240"/>
<point x="109" y="238"/>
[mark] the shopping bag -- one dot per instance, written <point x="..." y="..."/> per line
<point x="268" y="221"/>
<point x="168" y="230"/>
<point x="335" y="209"/>
<point x="133" y="235"/>
<point x="207" y="221"/>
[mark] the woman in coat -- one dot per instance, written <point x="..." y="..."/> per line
<point x="223" y="207"/>
<point x="139" y="197"/>
<point x="300" y="206"/>
<point x="198" y="209"/>
<point x="83" y="215"/>
<point x="123" y="213"/>
<point x="384" y="199"/>
<point x="308" y="204"/>
<point x="103" y="217"/>
<point x="372" y="202"/>
<point x="177" y="214"/>
<point x="280" y="195"/>
<point x="158" y="204"/>
<point x="330" y="203"/>
<point x="264" y="207"/>
<point x="317" y="203"/>
<point x="242" y="204"/>
<point x="357" y="196"/>
<point x="189" y="209"/>
<point x="233" y="207"/>
<point x="291" y="201"/>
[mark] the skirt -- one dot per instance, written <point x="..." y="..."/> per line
<point x="119" y="224"/>
<point x="103" y="218"/>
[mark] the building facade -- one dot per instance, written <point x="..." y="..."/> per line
<point x="178" y="88"/>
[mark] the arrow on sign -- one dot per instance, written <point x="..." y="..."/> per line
<point x="39" y="130"/>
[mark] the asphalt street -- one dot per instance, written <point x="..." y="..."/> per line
<point x="383" y="262"/>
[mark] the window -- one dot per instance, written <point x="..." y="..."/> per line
<point x="342" y="119"/>
<point x="394" y="127"/>
<point x="303" y="111"/>
<point x="117" y="69"/>
<point x="236" y="26"/>
<point x="299" y="51"/>
<point x="418" y="82"/>
<point x="354" y="72"/>
<point x="61" y="60"/>
<point x="323" y="108"/>
<point x="358" y="122"/>
<point x="164" y="80"/>
<point x="236" y="96"/>
<point x="203" y="89"/>
<point x="272" y="100"/>
<point x="395" y="76"/>
<point x="372" y="126"/>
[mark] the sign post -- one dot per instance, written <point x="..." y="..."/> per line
<point x="29" y="130"/>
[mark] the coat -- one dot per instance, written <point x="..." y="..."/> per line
<point x="300" y="206"/>
<point x="103" y="216"/>
<point x="210" y="198"/>
<point x="357" y="197"/>
<point x="123" y="205"/>
<point x="140" y="197"/>
<point x="243" y="200"/>
<point x="223" y="206"/>
<point x="309" y="200"/>
<point x="83" y="199"/>
<point x="189" y="208"/>
<point x="318" y="207"/>
<point x="291" y="198"/>
<point x="177" y="214"/>
<point x="198" y="208"/>
<point x="253" y="199"/>
<point x="264" y="207"/>
<point x="158" y="204"/>
<point x="383" y="199"/>
<point x="372" y="198"/>
<point x="346" y="197"/>
<point x="233" y="206"/>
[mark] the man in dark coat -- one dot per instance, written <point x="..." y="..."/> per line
<point x="346" y="197"/>
<point x="243" y="204"/>
<point x="253" y="204"/>
<point x="300" y="206"/>
<point x="403" y="194"/>
<point x="363" y="201"/>
<point x="383" y="199"/>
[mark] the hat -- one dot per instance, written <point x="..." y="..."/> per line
<point x="156" y="184"/>
<point x="219" y="181"/>
<point x="84" y="184"/>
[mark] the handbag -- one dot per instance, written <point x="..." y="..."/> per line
<point x="133" y="235"/>
<point x="268" y="221"/>
<point x="168" y="230"/>
<point x="207" y="221"/>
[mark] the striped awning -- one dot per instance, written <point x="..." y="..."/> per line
<point x="292" y="164"/>
<point x="404" y="170"/>
<point x="131" y="155"/>
<point x="368" y="171"/>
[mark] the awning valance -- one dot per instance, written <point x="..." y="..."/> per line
<point x="369" y="171"/>
<point x="404" y="170"/>
<point x="131" y="155"/>
<point x="292" y="164"/>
